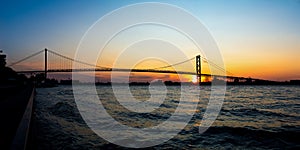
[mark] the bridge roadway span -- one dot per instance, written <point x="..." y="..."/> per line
<point x="129" y="70"/>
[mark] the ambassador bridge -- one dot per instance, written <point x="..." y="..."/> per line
<point x="55" y="62"/>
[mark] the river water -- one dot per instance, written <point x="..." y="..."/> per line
<point x="252" y="117"/>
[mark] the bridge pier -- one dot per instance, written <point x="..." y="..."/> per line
<point x="46" y="64"/>
<point x="198" y="68"/>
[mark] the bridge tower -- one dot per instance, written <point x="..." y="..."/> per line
<point x="46" y="64"/>
<point x="198" y="68"/>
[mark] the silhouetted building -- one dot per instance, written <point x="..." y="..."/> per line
<point x="7" y="75"/>
<point x="236" y="80"/>
<point x="69" y="82"/>
<point x="2" y="60"/>
<point x="295" y="82"/>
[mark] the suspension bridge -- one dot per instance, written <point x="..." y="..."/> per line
<point x="55" y="63"/>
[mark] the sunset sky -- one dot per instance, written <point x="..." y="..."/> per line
<point x="257" y="38"/>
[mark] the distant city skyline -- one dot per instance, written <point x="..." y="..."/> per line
<point x="257" y="38"/>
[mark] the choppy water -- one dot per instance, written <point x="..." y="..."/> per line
<point x="252" y="117"/>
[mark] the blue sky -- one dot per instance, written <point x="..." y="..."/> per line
<point x="245" y="30"/>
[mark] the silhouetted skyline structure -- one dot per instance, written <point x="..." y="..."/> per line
<point x="66" y="67"/>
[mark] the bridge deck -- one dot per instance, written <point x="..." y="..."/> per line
<point x="130" y="70"/>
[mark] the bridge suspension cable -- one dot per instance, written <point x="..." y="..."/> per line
<point x="65" y="63"/>
<point x="74" y="60"/>
<point x="30" y="56"/>
<point x="216" y="66"/>
<point x="174" y="64"/>
<point x="204" y="59"/>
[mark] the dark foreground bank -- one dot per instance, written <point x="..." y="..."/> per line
<point x="15" y="123"/>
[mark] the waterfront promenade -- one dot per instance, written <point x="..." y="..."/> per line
<point x="13" y="103"/>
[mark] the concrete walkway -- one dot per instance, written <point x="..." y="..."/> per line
<point x="12" y="108"/>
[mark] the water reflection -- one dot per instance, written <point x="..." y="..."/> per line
<point x="251" y="117"/>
